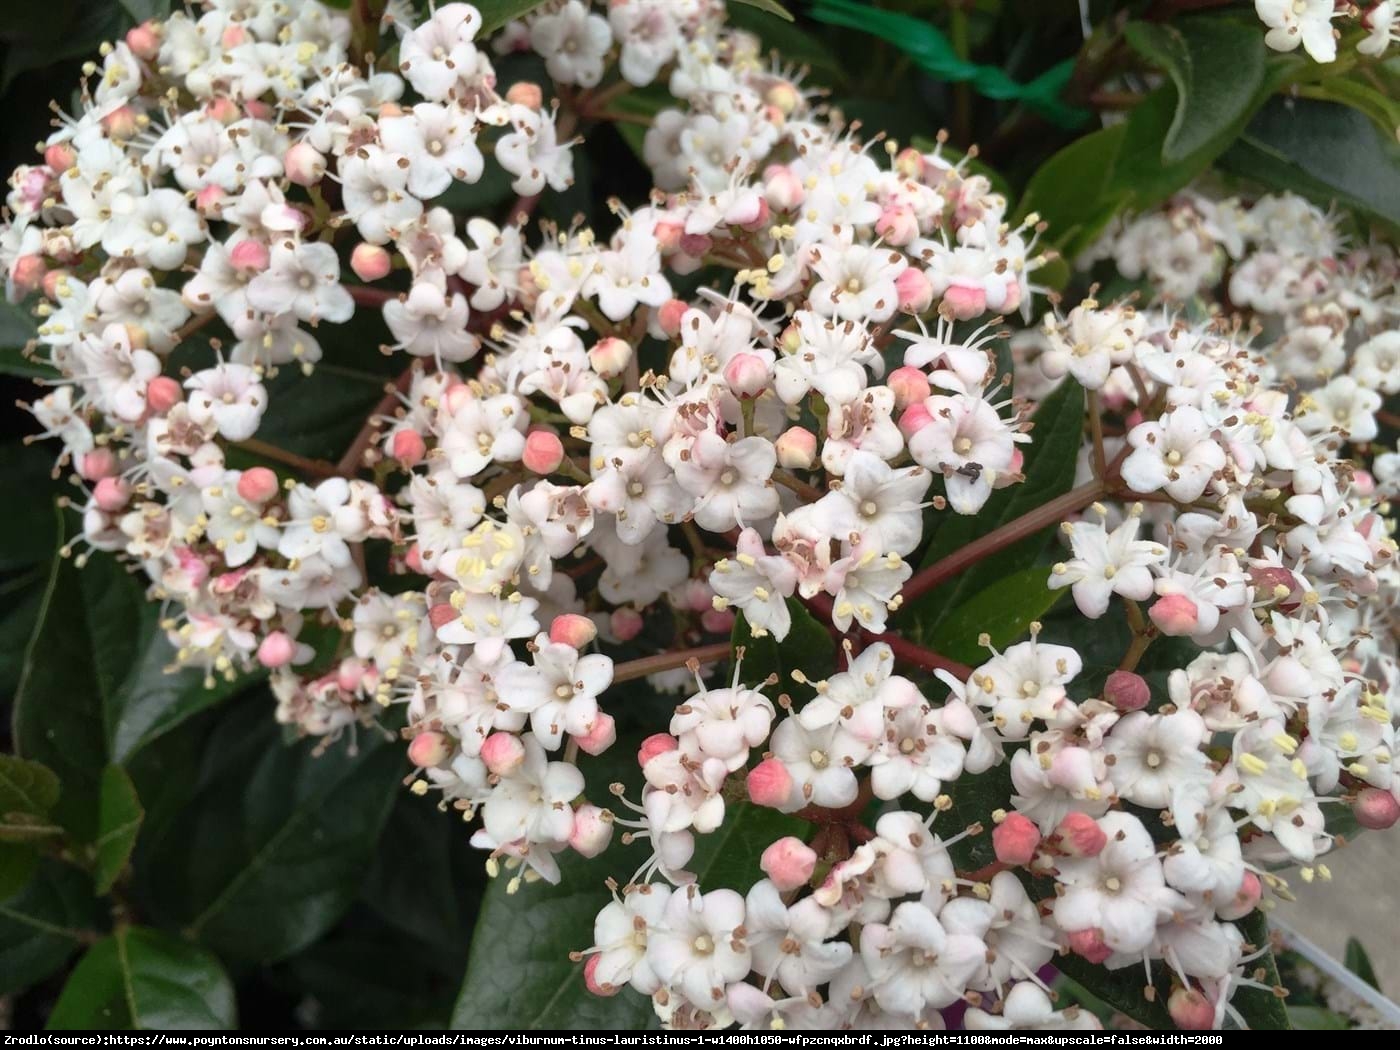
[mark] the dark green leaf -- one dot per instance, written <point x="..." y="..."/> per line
<point x="142" y="10"/>
<point x="273" y="846"/>
<point x="1359" y="963"/>
<point x="1294" y="144"/>
<point x="1003" y="611"/>
<point x="17" y="863"/>
<point x="1074" y="190"/>
<point x="28" y="530"/>
<point x="496" y="13"/>
<point x="16" y="330"/>
<point x="770" y="6"/>
<point x="44" y="924"/>
<point x="1217" y="65"/>
<point x="26" y="787"/>
<point x="23" y="594"/>
<point x="1316" y="1019"/>
<point x="807" y="648"/>
<point x="118" y="821"/>
<point x="1049" y="472"/>
<point x="1123" y="989"/>
<point x="143" y="979"/>
<point x="1382" y="108"/>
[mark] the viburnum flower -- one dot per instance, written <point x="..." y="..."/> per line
<point x="1294" y="22"/>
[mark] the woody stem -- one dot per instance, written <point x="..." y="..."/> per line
<point x="625" y="672"/>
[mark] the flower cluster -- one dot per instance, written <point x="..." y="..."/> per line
<point x="583" y="458"/>
<point x="1313" y="24"/>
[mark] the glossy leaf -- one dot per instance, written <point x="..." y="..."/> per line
<point x="772" y="7"/>
<point x="1293" y="144"/>
<point x="273" y="844"/>
<point x="1004" y="612"/>
<point x="28" y="530"/>
<point x="143" y="979"/>
<point x="808" y="648"/>
<point x="18" y="860"/>
<point x="1123" y="989"/>
<point x="1218" y="67"/>
<point x="1359" y="963"/>
<point x="1262" y="1010"/>
<point x="1316" y="1019"/>
<point x="118" y="822"/>
<point x="496" y="13"/>
<point x="45" y="923"/>
<point x="1049" y="472"/>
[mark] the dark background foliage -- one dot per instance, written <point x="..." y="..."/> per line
<point x="179" y="837"/>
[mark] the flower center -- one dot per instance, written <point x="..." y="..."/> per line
<point x="704" y="944"/>
<point x="818" y="759"/>
<point x="1173" y="458"/>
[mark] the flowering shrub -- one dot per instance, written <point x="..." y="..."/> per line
<point x="979" y="614"/>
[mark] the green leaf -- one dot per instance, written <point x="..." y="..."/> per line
<point x="44" y="924"/>
<point x="1122" y="989"/>
<point x="1261" y="1010"/>
<point x="1049" y="472"/>
<point x="27" y="787"/>
<point x="142" y="10"/>
<point x="1316" y="1019"/>
<point x="1004" y="611"/>
<point x="28" y="530"/>
<point x="1359" y="963"/>
<point x="1217" y="65"/>
<point x="1294" y="144"/>
<point x="496" y="13"/>
<point x="807" y="648"/>
<point x="94" y="688"/>
<point x="16" y="330"/>
<point x="273" y="844"/>
<point x="793" y="45"/>
<point x="770" y="6"/>
<point x="118" y="822"/>
<point x="1074" y="190"/>
<point x="143" y="979"/>
<point x="18" y="861"/>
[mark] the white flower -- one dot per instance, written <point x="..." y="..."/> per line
<point x="229" y="397"/>
<point x="876" y="505"/>
<point x="915" y="964"/>
<point x="1155" y="754"/>
<point x="1176" y="453"/>
<point x="429" y="323"/>
<point x="1028" y="1008"/>
<point x="699" y="949"/>
<point x="969" y="444"/>
<point x="789" y="944"/>
<point x="374" y="185"/>
<point x="757" y="584"/>
<point x="574" y="43"/>
<point x="1294" y="22"/>
<point x="621" y="933"/>
<point x="870" y="587"/>
<point x="534" y="154"/>
<point x="156" y="232"/>
<point x="857" y="282"/>
<point x="439" y="144"/>
<point x="533" y="802"/>
<point x="559" y="691"/>
<point x="302" y="279"/>
<point x="723" y="724"/>
<point x="1025" y="683"/>
<point x="1107" y="563"/>
<point x="439" y="54"/>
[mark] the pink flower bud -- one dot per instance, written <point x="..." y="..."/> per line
<point x="1191" y="1010"/>
<point x="626" y="624"/>
<point x="966" y="301"/>
<point x="525" y="93"/>
<point x="27" y="274"/>
<point x="593" y="830"/>
<point x="276" y="650"/>
<point x="717" y="621"/>
<point x="120" y="123"/>
<point x="1089" y="944"/>
<point x="670" y="314"/>
<point x="1275" y="583"/>
<point x="1079" y="835"/>
<point x="457" y="397"/>
<point x="97" y="464"/>
<point x="303" y="164"/>
<point x="544" y="452"/>
<point x="915" y="291"/>
<point x="441" y="614"/>
<point x="52" y="279"/>
<point x="751" y="213"/>
<point x="1175" y="614"/>
<point x="111" y="494"/>
<point x="1127" y="691"/>
<point x="696" y="245"/>
<point x="233" y="36"/>
<point x="1245" y="901"/>
<point x="668" y="235"/>
<point x="910" y="163"/>
<point x="610" y="356"/>
<point x="770" y="784"/>
<point x="225" y="110"/>
<point x="60" y="157"/>
<point x="1363" y="482"/>
<point x="696" y="595"/>
<point x="656" y="744"/>
<point x="257" y="109"/>
<point x="914" y="419"/>
<point x="350" y="674"/>
<point x="144" y="40"/>
<point x="1376" y="809"/>
<point x="210" y="200"/>
<point x="573" y="629"/>
<point x="782" y="188"/>
<point x="897" y="224"/>
<point x="502" y="753"/>
<point x="413" y="559"/>
<point x="370" y="262"/>
<point x="746" y="375"/>
<point x="1015" y="840"/>
<point x="797" y="448"/>
<point x="163" y="394"/>
<point x="430" y="749"/>
<point x="250" y="256"/>
<point x="601" y="735"/>
<point x="910" y="386"/>
<point x="257" y="484"/>
<point x="789" y="862"/>
<point x="784" y="97"/>
<point x="590" y="979"/>
<point x="408" y="447"/>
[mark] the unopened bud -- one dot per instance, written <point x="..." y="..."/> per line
<point x="276" y="650"/>
<point x="525" y="93"/>
<point x="27" y="274"/>
<point x="626" y="624"/>
<point x="573" y="629"/>
<point x="97" y="464"/>
<point x="1089" y="944"/>
<point x="429" y="749"/>
<point x="304" y="164"/>
<point x="544" y="452"/>
<point x="144" y="41"/>
<point x="797" y="448"/>
<point x="1079" y="835"/>
<point x="1127" y="691"/>
<point x="770" y="784"/>
<point x="1015" y="840"/>
<point x="783" y="189"/>
<point x="610" y="356"/>
<point x="915" y="291"/>
<point x="1376" y="809"/>
<point x="601" y="735"/>
<point x="1175" y="614"/>
<point x="593" y="830"/>
<point x="250" y="256"/>
<point x="502" y="753"/>
<point x="408" y="447"/>
<point x="1191" y="1010"/>
<point x="965" y="301"/>
<point x="257" y="485"/>
<point x="747" y="375"/>
<point x="910" y="387"/>
<point x="162" y="394"/>
<point x="670" y="314"/>
<point x="656" y="744"/>
<point x="789" y="862"/>
<point x="370" y="262"/>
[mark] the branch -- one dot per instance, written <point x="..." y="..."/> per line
<point x="316" y="468"/>
<point x="625" y="672"/>
<point x="354" y="456"/>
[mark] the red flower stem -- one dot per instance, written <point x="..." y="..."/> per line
<point x="374" y="298"/>
<point x="353" y="459"/>
<point x="625" y="672"/>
